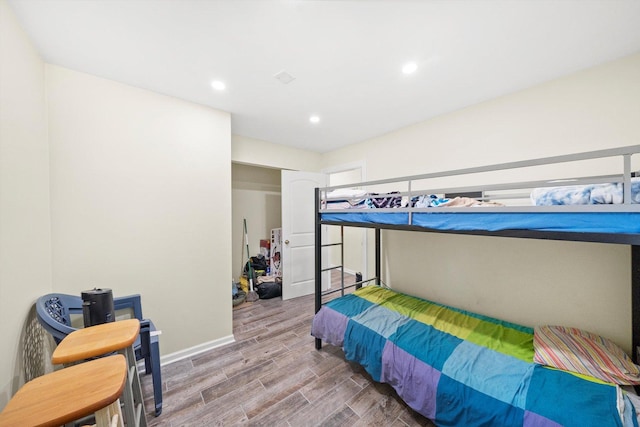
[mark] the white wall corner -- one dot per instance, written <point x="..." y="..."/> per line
<point x="5" y="395"/>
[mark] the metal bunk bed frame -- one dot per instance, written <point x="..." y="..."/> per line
<point x="628" y="239"/>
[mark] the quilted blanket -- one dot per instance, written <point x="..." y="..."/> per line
<point x="463" y="369"/>
<point x="594" y="194"/>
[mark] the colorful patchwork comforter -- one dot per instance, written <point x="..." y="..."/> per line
<point x="463" y="369"/>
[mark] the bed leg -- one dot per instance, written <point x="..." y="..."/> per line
<point x="318" y="261"/>
<point x="377" y="256"/>
<point x="635" y="301"/>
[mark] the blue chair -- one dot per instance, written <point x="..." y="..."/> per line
<point x="55" y="313"/>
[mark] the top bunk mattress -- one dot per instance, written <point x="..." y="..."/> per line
<point x="591" y="206"/>
<point x="577" y="222"/>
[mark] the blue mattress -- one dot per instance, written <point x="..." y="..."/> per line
<point x="580" y="222"/>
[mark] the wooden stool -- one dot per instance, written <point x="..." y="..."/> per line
<point x="102" y="339"/>
<point x="69" y="394"/>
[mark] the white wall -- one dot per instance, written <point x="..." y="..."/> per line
<point x="267" y="154"/>
<point x="25" y="243"/>
<point x="141" y="203"/>
<point x="526" y="281"/>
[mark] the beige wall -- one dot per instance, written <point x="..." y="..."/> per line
<point x="526" y="281"/>
<point x="106" y="185"/>
<point x="589" y="110"/>
<point x="267" y="154"/>
<point x="141" y="203"/>
<point x="25" y="244"/>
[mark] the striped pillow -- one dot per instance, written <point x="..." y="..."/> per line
<point x="580" y="351"/>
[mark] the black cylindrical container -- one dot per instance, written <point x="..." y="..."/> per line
<point x="97" y="307"/>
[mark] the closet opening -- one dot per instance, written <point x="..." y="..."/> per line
<point x="257" y="196"/>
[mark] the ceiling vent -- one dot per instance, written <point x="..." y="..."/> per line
<point x="284" y="77"/>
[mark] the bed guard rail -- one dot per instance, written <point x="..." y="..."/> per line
<point x="614" y="166"/>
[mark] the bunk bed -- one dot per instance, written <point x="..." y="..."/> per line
<point x="461" y="368"/>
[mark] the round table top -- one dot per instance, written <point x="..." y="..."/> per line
<point x="67" y="394"/>
<point x="96" y="341"/>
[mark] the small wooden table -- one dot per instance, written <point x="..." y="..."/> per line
<point x="103" y="339"/>
<point x="67" y="394"/>
<point x="96" y="341"/>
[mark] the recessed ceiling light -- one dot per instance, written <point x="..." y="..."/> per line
<point x="409" y="67"/>
<point x="314" y="119"/>
<point x="218" y="85"/>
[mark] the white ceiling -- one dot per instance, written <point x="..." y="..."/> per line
<point x="346" y="56"/>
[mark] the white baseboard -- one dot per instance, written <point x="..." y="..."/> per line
<point x="192" y="351"/>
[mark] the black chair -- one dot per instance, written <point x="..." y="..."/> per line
<point x="55" y="313"/>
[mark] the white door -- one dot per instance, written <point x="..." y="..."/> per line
<point x="298" y="232"/>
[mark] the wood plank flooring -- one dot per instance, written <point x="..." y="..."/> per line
<point x="273" y="376"/>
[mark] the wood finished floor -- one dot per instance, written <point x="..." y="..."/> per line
<point x="273" y="376"/>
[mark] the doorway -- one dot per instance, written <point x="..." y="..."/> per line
<point x="257" y="196"/>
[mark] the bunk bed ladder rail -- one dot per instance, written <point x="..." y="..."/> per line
<point x="626" y="191"/>
<point x="318" y="261"/>
<point x="635" y="303"/>
<point x="318" y="257"/>
<point x="336" y="267"/>
<point x="409" y="205"/>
